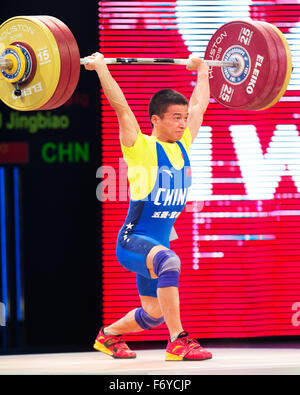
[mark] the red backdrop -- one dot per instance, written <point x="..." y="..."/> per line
<point x="239" y="238"/>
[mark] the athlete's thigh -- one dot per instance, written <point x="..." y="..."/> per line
<point x="135" y="254"/>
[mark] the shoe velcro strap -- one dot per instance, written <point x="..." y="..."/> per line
<point x="111" y="342"/>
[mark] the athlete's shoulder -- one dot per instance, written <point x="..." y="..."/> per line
<point x="141" y="159"/>
<point x="143" y="145"/>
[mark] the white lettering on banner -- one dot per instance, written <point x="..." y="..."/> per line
<point x="201" y="164"/>
<point x="296" y="316"/>
<point x="262" y="173"/>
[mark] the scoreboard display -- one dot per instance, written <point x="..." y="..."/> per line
<point x="239" y="236"/>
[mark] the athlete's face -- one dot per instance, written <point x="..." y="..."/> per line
<point x="170" y="127"/>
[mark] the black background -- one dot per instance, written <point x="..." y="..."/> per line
<point x="61" y="216"/>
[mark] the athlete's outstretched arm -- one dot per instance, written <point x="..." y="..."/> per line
<point x="200" y="97"/>
<point x="128" y="124"/>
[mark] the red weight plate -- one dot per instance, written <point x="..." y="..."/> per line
<point x="65" y="63"/>
<point x="75" y="60"/>
<point x="282" y="64"/>
<point x="238" y="88"/>
<point x="270" y="82"/>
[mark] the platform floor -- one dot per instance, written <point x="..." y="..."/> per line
<point x="279" y="360"/>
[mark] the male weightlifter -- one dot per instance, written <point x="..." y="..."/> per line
<point x="158" y="195"/>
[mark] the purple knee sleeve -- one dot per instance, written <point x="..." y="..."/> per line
<point x="145" y="320"/>
<point x="166" y="265"/>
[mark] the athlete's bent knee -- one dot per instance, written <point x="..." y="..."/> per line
<point x="166" y="265"/>
<point x="145" y="320"/>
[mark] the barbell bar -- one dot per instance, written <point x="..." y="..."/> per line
<point x="145" y="61"/>
<point x="250" y="64"/>
<point x="6" y="64"/>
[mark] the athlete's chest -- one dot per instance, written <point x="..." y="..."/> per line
<point x="172" y="183"/>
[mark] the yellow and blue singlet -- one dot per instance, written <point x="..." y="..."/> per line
<point x="159" y="175"/>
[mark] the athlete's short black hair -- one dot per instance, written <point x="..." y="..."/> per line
<point x="162" y="99"/>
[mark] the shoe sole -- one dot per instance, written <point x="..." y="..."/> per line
<point x="172" y="357"/>
<point x="100" y="347"/>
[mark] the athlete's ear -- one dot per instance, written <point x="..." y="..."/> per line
<point x="154" y="119"/>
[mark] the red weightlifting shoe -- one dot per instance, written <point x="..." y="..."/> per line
<point x="186" y="349"/>
<point x="113" y="345"/>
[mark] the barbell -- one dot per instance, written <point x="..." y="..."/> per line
<point x="250" y="64"/>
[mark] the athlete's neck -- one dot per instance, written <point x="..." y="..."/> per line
<point x="161" y="137"/>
